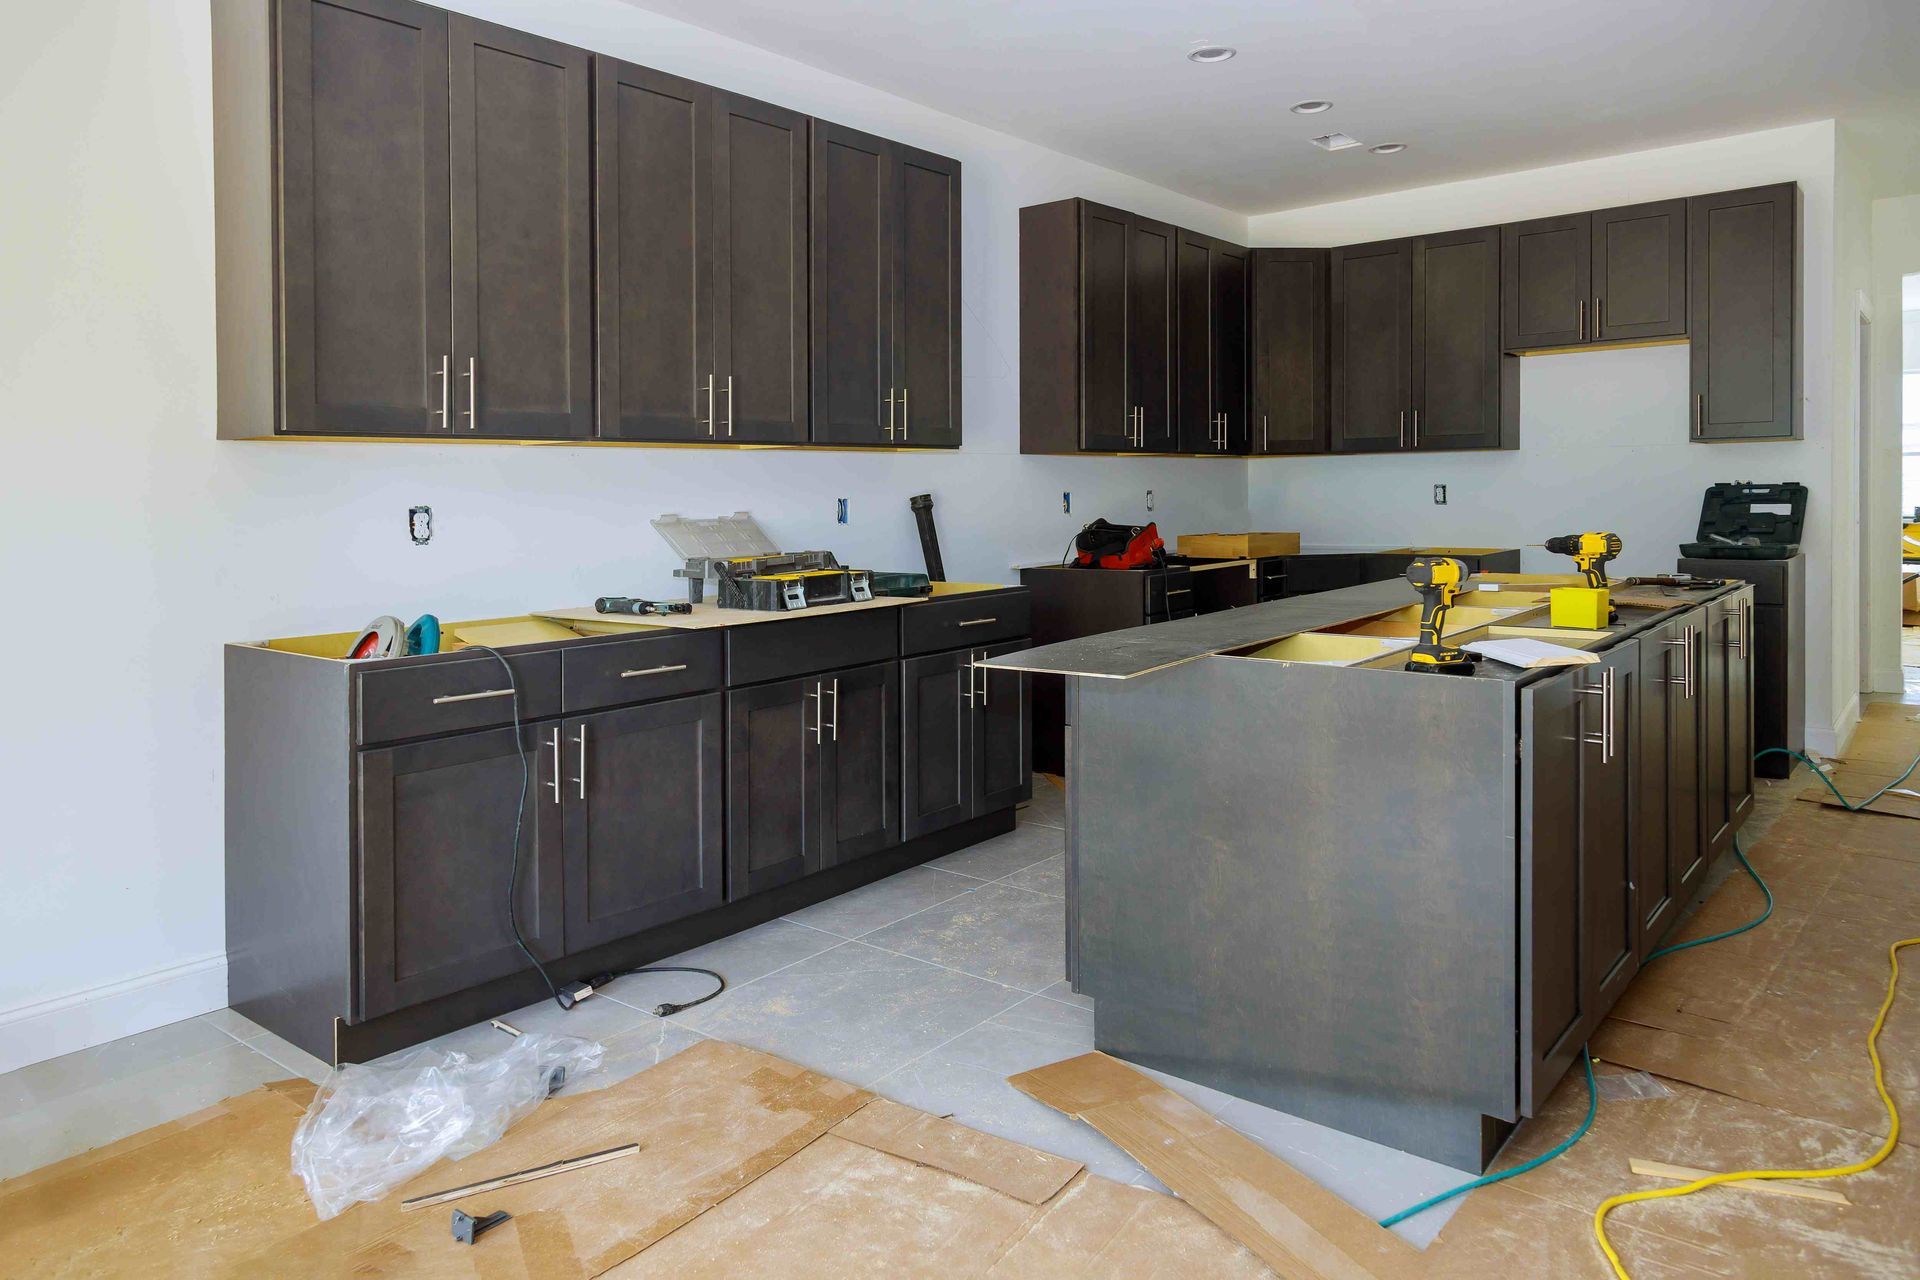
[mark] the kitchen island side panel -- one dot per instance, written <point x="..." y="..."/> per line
<point x="1298" y="884"/>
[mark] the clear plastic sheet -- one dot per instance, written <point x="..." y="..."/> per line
<point x="373" y="1126"/>
<point x="1629" y="1086"/>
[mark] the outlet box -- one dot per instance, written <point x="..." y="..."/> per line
<point x="1149" y="499"/>
<point x="420" y="525"/>
<point x="1066" y="504"/>
<point x="1439" y="495"/>
<point x="840" y="513"/>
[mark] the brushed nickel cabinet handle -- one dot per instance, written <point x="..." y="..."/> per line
<point x="472" y="375"/>
<point x="707" y="421"/>
<point x="819" y="713"/>
<point x="1416" y="428"/>
<point x="1746" y="627"/>
<point x="1403" y="428"/>
<point x="582" y="779"/>
<point x="983" y="677"/>
<point x="1263" y="433"/>
<point x="1693" y="639"/>
<point x="1596" y="318"/>
<point x="729" y="406"/>
<point x="1699" y="415"/>
<point x="970" y="691"/>
<point x="1583" y="319"/>
<point x="554" y="742"/>
<point x="472" y="697"/>
<point x="835" y="726"/>
<point x="903" y="436"/>
<point x="445" y="376"/>
<point x="889" y="413"/>
<point x="975" y="622"/>
<point x="653" y="671"/>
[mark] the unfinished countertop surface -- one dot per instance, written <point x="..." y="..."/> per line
<point x="1138" y="651"/>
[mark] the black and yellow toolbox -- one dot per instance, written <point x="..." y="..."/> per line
<point x="789" y="580"/>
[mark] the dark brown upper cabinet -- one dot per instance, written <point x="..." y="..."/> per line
<point x="1615" y="275"/>
<point x="1416" y="346"/>
<point x="759" y="271"/>
<point x="1287" y="331"/>
<point x="885" y="291"/>
<point x="1210" y="330"/>
<point x="1465" y="392"/>
<point x="1372" y="348"/>
<point x="1097" y="332"/>
<point x="365" y="234"/>
<point x="434" y="236"/>
<point x="654" y="235"/>
<point x="1741" y="248"/>
<point x="522" y="234"/>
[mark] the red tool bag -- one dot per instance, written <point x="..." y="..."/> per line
<point x="1104" y="545"/>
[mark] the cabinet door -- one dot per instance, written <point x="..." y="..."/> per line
<point x="1740" y="699"/>
<point x="1640" y="271"/>
<point x="860" y="762"/>
<point x="773" y="785"/>
<point x="1547" y="286"/>
<point x="654" y="239"/>
<point x="1608" y="926"/>
<point x="1150" y="341"/>
<point x="1740" y="264"/>
<point x="1002" y="734"/>
<point x="436" y="830"/>
<point x="936" y="757"/>
<point x="522" y="234"/>
<point x="1716" y="796"/>
<point x="1553" y="996"/>
<point x="759" y="270"/>
<point x="1729" y="686"/>
<point x="926" y="298"/>
<point x="1686" y="766"/>
<point x="1288" y="333"/>
<point x="1230" y="345"/>
<point x="1196" y="427"/>
<point x="365" y="260"/>
<point x="1657" y="702"/>
<point x="1457" y="393"/>
<point x="640" y="789"/>
<point x="1372" y="346"/>
<point x="852" y="239"/>
<point x="1106" y="398"/>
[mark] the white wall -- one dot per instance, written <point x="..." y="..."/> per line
<point x="1896" y="253"/>
<point x="135" y="544"/>
<point x="1603" y="434"/>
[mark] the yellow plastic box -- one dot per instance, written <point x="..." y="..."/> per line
<point x="1582" y="607"/>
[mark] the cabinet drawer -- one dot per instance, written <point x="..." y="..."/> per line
<point x="958" y="622"/>
<point x="452" y="694"/>
<point x="764" y="651"/>
<point x="661" y="664"/>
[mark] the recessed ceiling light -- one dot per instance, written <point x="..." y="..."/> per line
<point x="1389" y="148"/>
<point x="1311" y="107"/>
<point x="1211" y="53"/>
<point x="1335" y="142"/>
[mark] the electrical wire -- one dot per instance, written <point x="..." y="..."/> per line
<point x="670" y="1008"/>
<point x="1593" y="1105"/>
<point x="1751" y="1175"/>
<point x="519" y="825"/>
<point x="1821" y="774"/>
<point x="1754" y="923"/>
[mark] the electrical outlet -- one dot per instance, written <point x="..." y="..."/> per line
<point x="420" y="525"/>
<point x="1066" y="504"/>
<point x="1439" y="495"/>
<point x="840" y="515"/>
<point x="1149" y="499"/>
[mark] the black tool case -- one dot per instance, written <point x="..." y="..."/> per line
<point x="1746" y="521"/>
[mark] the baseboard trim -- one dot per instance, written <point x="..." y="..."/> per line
<point x="43" y="1029"/>
<point x="1832" y="742"/>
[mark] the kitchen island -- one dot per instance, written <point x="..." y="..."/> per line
<point x="1393" y="903"/>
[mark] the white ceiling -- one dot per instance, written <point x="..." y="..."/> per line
<point x="1472" y="86"/>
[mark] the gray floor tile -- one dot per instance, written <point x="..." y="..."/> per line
<point x="597" y="1018"/>
<point x="739" y="959"/>
<point x="632" y="1052"/>
<point x="1049" y="877"/>
<point x="1001" y="934"/>
<point x="967" y="1079"/>
<point x="854" y="1012"/>
<point x="237" y="1025"/>
<point x="1003" y="855"/>
<point x="1374" y="1179"/>
<point x="130" y="1057"/>
<point x="1048" y="806"/>
<point x="1067" y="995"/>
<point x="109" y="1110"/>
<point x="881" y="903"/>
<point x="294" y="1060"/>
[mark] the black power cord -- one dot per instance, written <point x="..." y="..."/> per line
<point x="574" y="993"/>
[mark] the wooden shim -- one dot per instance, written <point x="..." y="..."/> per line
<point x="1681" y="1173"/>
<point x="522" y="1175"/>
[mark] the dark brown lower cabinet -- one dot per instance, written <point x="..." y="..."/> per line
<point x="967" y="744"/>
<point x="640" y="791"/>
<point x="813" y="774"/>
<point x="1727" y="660"/>
<point x="1668" y="856"/>
<point x="436" y="823"/>
<point x="1577" y="893"/>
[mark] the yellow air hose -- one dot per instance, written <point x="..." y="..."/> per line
<point x="1748" y="1175"/>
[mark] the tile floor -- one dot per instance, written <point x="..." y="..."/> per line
<point x="930" y="987"/>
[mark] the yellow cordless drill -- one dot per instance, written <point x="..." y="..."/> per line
<point x="1590" y="552"/>
<point x="1438" y="580"/>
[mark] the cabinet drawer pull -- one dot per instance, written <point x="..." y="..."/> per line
<point x="890" y="412"/>
<point x="654" y="671"/>
<point x="729" y="405"/>
<point x="554" y="742"/>
<point x="1179" y="591"/>
<point x="472" y="375"/>
<point x="975" y="622"/>
<point x="445" y="375"/>
<point x="473" y="697"/>
<point x="582" y="779"/>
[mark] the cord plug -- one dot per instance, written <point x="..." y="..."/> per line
<point x="573" y="993"/>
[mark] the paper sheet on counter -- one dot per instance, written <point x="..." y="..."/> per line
<point x="1531" y="653"/>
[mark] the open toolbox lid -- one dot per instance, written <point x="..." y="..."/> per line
<point x="1748" y="521"/>
<point x="716" y="537"/>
